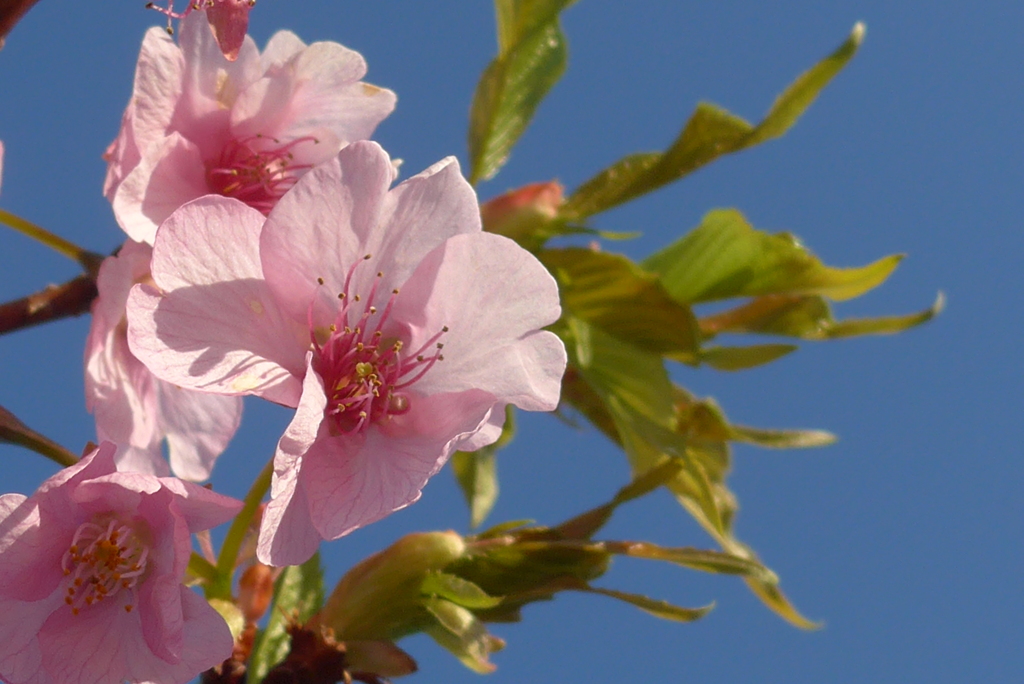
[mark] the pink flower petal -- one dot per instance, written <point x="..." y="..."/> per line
<point x="319" y="229"/>
<point x="353" y="481"/>
<point x="198" y="428"/>
<point x="144" y="626"/>
<point x="287" y="535"/>
<point x="167" y="177"/>
<point x="215" y="326"/>
<point x="493" y="296"/>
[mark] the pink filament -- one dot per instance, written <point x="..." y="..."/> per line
<point x="257" y="176"/>
<point x="364" y="372"/>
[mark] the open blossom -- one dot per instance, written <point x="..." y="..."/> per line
<point x="229" y="20"/>
<point x="91" y="567"/>
<point x="398" y="329"/>
<point x="135" y="409"/>
<point x="199" y="124"/>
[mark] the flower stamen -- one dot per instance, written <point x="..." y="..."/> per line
<point x="256" y="172"/>
<point x="101" y="561"/>
<point x="364" y="371"/>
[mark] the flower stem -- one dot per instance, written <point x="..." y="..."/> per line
<point x="88" y="260"/>
<point x="236" y="534"/>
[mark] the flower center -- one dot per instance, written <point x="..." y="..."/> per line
<point x="102" y="560"/>
<point x="255" y="173"/>
<point x="365" y="372"/>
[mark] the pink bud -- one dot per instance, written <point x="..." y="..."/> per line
<point x="517" y="213"/>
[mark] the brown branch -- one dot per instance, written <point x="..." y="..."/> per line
<point x="72" y="298"/>
<point x="10" y="12"/>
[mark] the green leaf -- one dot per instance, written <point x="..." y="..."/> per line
<point x="710" y="133"/>
<point x="742" y="358"/>
<point x="657" y="608"/>
<point x="531" y="59"/>
<point x="457" y="590"/>
<point x="782" y="439"/>
<point x="808" y="317"/>
<point x="885" y="325"/>
<point x="613" y="367"/>
<point x="460" y="632"/>
<point x="584" y="526"/>
<point x="614" y="294"/>
<point x="298" y="593"/>
<point x="477" y="472"/>
<point x="726" y="257"/>
<point x="695" y="559"/>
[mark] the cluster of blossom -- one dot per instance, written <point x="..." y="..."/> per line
<point x="270" y="253"/>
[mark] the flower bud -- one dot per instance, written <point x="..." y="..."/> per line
<point x="380" y="597"/>
<point x="255" y="590"/>
<point x="519" y="213"/>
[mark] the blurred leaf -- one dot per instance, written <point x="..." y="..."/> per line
<point x="614" y="294"/>
<point x="742" y="358"/>
<point x="531" y="59"/>
<point x="298" y="594"/>
<point x="477" y="472"/>
<point x="459" y="631"/>
<point x="710" y="133"/>
<point x="13" y="431"/>
<point x="777" y="601"/>
<point x="657" y="608"/>
<point x="726" y="257"/>
<point x="232" y="615"/>
<point x="808" y="317"/>
<point x="782" y="439"/>
<point x="457" y="590"/>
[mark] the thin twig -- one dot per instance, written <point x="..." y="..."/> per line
<point x="72" y="298"/>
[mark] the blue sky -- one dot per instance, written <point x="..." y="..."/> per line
<point x="905" y="537"/>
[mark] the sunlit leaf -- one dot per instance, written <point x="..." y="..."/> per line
<point x="656" y="607"/>
<point x="782" y="439"/>
<point x="477" y="472"/>
<point x="726" y="257"/>
<point x="531" y="59"/>
<point x="614" y="294"/>
<point x="710" y="133"/>
<point x="459" y="631"/>
<point x="695" y="559"/>
<point x="808" y="317"/>
<point x="457" y="590"/>
<point x="584" y="526"/>
<point x="298" y="594"/>
<point x="742" y="358"/>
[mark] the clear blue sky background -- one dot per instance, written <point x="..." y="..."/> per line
<point x="905" y="538"/>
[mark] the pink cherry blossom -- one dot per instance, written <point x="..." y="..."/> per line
<point x="398" y="329"/>
<point x="137" y="410"/>
<point x="91" y="570"/>
<point x="229" y="20"/>
<point x="199" y="124"/>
